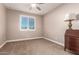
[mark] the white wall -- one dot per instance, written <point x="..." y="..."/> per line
<point x="2" y="24"/>
<point x="13" y="27"/>
<point x="54" y="25"/>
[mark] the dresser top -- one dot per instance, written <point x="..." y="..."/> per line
<point x="72" y="33"/>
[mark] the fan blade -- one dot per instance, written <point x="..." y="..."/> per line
<point x="38" y="8"/>
<point x="41" y="3"/>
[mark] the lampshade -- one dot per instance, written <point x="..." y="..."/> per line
<point x="70" y="16"/>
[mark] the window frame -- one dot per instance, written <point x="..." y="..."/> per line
<point x="28" y="23"/>
<point x="34" y="24"/>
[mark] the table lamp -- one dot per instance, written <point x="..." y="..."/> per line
<point x="70" y="17"/>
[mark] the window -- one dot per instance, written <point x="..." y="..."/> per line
<point x="27" y="23"/>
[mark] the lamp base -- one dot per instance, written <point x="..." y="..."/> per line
<point x="70" y="24"/>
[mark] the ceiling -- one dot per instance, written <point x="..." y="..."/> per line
<point x="25" y="7"/>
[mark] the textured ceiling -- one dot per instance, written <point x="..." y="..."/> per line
<point x="46" y="7"/>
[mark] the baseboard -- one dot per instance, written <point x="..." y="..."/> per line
<point x="18" y="40"/>
<point x="3" y="44"/>
<point x="54" y="41"/>
<point x="31" y="39"/>
<point x="23" y="39"/>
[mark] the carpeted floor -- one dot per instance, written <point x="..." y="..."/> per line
<point x="33" y="47"/>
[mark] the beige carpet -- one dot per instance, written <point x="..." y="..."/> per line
<point x="33" y="47"/>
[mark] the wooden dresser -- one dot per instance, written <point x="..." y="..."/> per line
<point x="72" y="41"/>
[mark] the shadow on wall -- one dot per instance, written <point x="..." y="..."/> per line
<point x="77" y="16"/>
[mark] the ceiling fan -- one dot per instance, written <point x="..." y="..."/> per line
<point x="36" y="6"/>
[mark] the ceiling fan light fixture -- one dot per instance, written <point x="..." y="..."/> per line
<point x="33" y="5"/>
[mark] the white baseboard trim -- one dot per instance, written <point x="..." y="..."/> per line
<point x="31" y="39"/>
<point x="54" y="41"/>
<point x="18" y="40"/>
<point x="23" y="39"/>
<point x="3" y="44"/>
